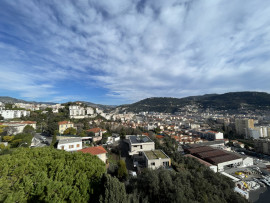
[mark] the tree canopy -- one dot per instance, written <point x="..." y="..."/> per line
<point x="70" y="131"/>
<point x="49" y="175"/>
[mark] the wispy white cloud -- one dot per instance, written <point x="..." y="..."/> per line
<point x="135" y="49"/>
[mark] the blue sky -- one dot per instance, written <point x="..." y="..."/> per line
<point x="118" y="51"/>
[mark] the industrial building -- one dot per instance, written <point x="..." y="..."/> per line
<point x="219" y="158"/>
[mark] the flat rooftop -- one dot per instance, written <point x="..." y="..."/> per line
<point x="155" y="154"/>
<point x="212" y="155"/>
<point x="139" y="139"/>
<point x="71" y="140"/>
<point x="221" y="159"/>
<point x="209" y="154"/>
<point x="199" y="149"/>
<point x="207" y="143"/>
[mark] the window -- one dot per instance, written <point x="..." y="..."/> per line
<point x="166" y="163"/>
<point x="78" y="145"/>
<point x="141" y="146"/>
<point x="71" y="146"/>
<point x="153" y="164"/>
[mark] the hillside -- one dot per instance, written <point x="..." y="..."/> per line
<point x="229" y="101"/>
<point x="11" y="100"/>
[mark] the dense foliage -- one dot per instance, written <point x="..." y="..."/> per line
<point x="49" y="175"/>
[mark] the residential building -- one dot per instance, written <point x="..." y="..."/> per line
<point x="78" y="112"/>
<point x="2" y="106"/>
<point x="63" y="125"/>
<point x="156" y="158"/>
<point x="258" y="132"/>
<point x="97" y="131"/>
<point x="72" y="144"/>
<point x="254" y="133"/>
<point x="10" y="114"/>
<point x="15" y="127"/>
<point x="98" y="151"/>
<point x="114" y="138"/>
<point x="262" y="146"/>
<point x="139" y="143"/>
<point x="211" y="135"/>
<point x="242" y="126"/>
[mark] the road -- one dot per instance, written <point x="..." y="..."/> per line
<point x="41" y="140"/>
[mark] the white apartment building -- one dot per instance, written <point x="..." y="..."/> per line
<point x="2" y="106"/>
<point x="72" y="144"/>
<point x="258" y="132"/>
<point x="10" y="114"/>
<point x="78" y="112"/>
<point x="32" y="107"/>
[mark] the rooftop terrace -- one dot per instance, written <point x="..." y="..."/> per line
<point x="139" y="139"/>
<point x="155" y="154"/>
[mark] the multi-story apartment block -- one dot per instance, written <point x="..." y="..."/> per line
<point x="262" y="146"/>
<point x="76" y="111"/>
<point x="242" y="126"/>
<point x="10" y="114"/>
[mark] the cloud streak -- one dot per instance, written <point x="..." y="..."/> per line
<point x="134" y="49"/>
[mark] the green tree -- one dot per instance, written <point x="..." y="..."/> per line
<point x="28" y="129"/>
<point x="21" y="140"/>
<point x="70" y="131"/>
<point x="50" y="175"/>
<point x="3" y="147"/>
<point x="2" y="127"/>
<point x="54" y="138"/>
<point x="113" y="191"/>
<point x="8" y="138"/>
<point x="122" y="170"/>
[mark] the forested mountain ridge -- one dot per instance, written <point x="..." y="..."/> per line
<point x="228" y="101"/>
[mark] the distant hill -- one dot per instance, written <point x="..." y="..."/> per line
<point x="14" y="100"/>
<point x="231" y="101"/>
<point x="101" y="106"/>
<point x="11" y="100"/>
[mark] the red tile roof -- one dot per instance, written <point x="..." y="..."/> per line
<point x="94" y="150"/>
<point x="96" y="130"/>
<point x="64" y="122"/>
<point x="159" y="136"/>
<point x="19" y="122"/>
<point x="29" y="122"/>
